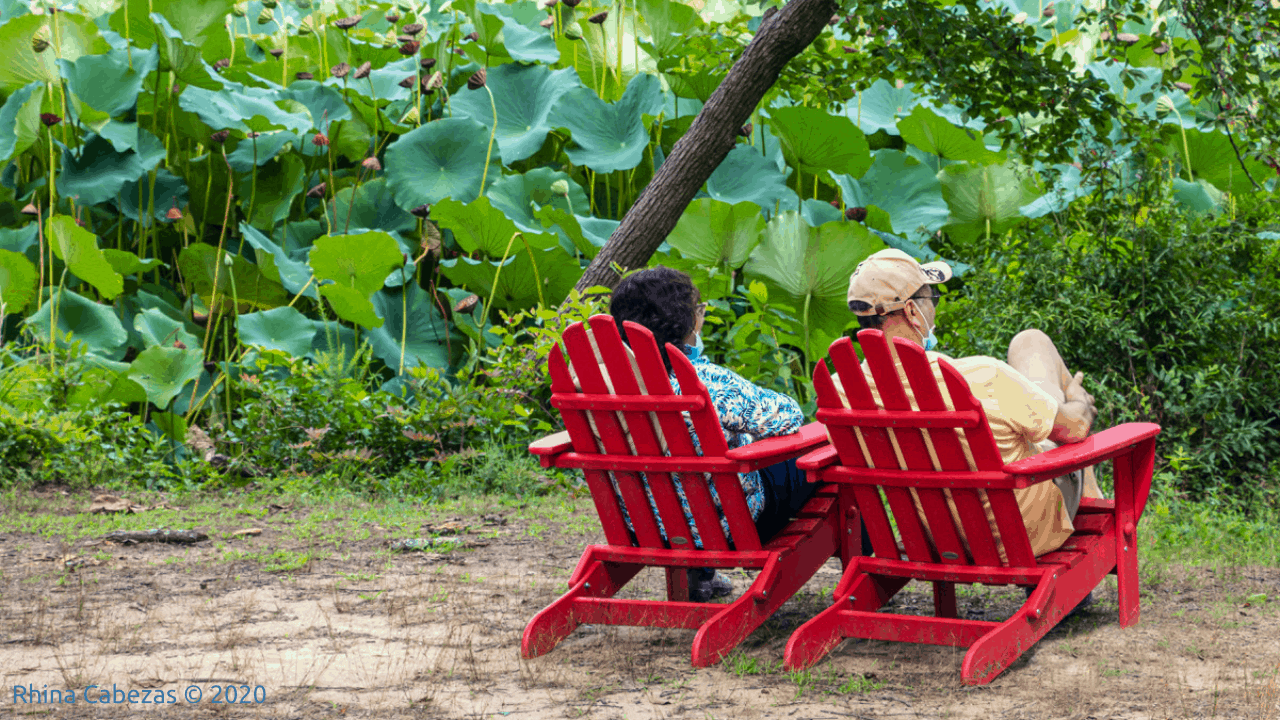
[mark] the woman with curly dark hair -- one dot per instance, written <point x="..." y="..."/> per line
<point x="666" y="302"/>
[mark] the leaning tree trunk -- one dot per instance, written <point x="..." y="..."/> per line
<point x="782" y="36"/>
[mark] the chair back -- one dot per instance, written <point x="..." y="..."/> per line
<point x="932" y="465"/>
<point x="624" y="420"/>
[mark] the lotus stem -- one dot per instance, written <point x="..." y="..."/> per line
<point x="404" y="317"/>
<point x="604" y="58"/>
<point x="492" y="132"/>
<point x="622" y="11"/>
<point x="217" y="268"/>
<point x="808" y="296"/>
<point x="53" y="183"/>
<point x="488" y="305"/>
<point x="537" y="277"/>
<point x="1186" y="152"/>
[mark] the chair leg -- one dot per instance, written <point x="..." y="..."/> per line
<point x="944" y="599"/>
<point x="562" y="617"/>
<point x="678" y="584"/>
<point x="822" y="633"/>
<point x="1127" y="577"/>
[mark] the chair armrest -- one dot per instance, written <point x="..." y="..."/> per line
<point x="768" y="451"/>
<point x="818" y="459"/>
<point x="550" y="446"/>
<point x="1092" y="450"/>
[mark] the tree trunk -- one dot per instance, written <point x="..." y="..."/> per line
<point x="709" y="139"/>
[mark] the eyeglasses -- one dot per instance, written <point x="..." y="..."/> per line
<point x="700" y="309"/>
<point x="935" y="296"/>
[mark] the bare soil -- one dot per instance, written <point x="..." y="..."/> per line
<point x="364" y="632"/>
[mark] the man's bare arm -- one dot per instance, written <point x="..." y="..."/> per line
<point x="1076" y="415"/>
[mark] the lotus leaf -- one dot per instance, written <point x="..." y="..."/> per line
<point x="97" y="173"/>
<point x="441" y="159"/>
<point x="745" y="175"/>
<point x="17" y="282"/>
<point x="23" y="240"/>
<point x="523" y="96"/>
<point x="371" y="206"/>
<point x="358" y="265"/>
<point x="157" y="328"/>
<point x="185" y="59"/>
<point x="1212" y="159"/>
<point x="668" y="24"/>
<point x="570" y="230"/>
<point x="383" y="83"/>
<point x="599" y="230"/>
<point x="85" y="78"/>
<point x="985" y="200"/>
<point x="78" y="248"/>
<point x="246" y="109"/>
<point x="522" y="38"/>
<point x="278" y="184"/>
<point x="170" y="425"/>
<point x="1066" y="190"/>
<point x="333" y="337"/>
<point x="609" y="137"/>
<point x="162" y="371"/>
<point x="194" y="20"/>
<point x="324" y="103"/>
<point x="77" y="35"/>
<point x="277" y="265"/>
<point x="412" y="329"/>
<point x="516" y="195"/>
<point x="880" y="107"/>
<point x="1199" y="196"/>
<point x="202" y="266"/>
<point x="907" y="190"/>
<point x="814" y="141"/>
<point x="714" y="234"/>
<point x="480" y="226"/>
<point x="934" y="134"/>
<point x="596" y="68"/>
<point x="809" y="268"/>
<point x="80" y="320"/>
<point x="170" y="192"/>
<point x="20" y="121"/>
<point x="127" y="263"/>
<point x="261" y="149"/>
<point x="101" y="385"/>
<point x="282" y="328"/>
<point x="517" y="282"/>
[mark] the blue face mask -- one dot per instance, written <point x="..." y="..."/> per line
<point x="929" y="341"/>
<point x="697" y="343"/>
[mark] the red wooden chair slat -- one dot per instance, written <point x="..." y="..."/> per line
<point x="632" y="425"/>
<point x="971" y="469"/>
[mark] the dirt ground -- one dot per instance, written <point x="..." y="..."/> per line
<point x="360" y="631"/>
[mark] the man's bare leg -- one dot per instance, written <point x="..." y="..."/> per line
<point x="1032" y="353"/>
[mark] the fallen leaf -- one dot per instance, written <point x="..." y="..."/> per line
<point x="247" y="531"/>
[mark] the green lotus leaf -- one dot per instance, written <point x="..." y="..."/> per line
<point x="162" y="371"/>
<point x="127" y="263"/>
<point x="595" y="56"/>
<point x="1199" y="196"/>
<point x="373" y="206"/>
<point x="195" y="20"/>
<point x="609" y="137"/>
<point x="669" y="23"/>
<point x="96" y="172"/>
<point x="570" y="229"/>
<point x="521" y="36"/>
<point x="17" y="282"/>
<point x="277" y="265"/>
<point x="441" y="159"/>
<point x="808" y="268"/>
<point x="170" y="425"/>
<point x="170" y="192"/>
<point x="279" y="183"/>
<point x="358" y="265"/>
<point x="523" y="96"/>
<point x="78" y="248"/>
<point x="23" y="240"/>
<point x="815" y="141"/>
<point x="186" y="59"/>
<point x="100" y="386"/>
<point x="934" y="134"/>
<point x="205" y="273"/>
<point x="262" y="149"/>
<point x="323" y="102"/>
<point x="333" y="337"/>
<point x="20" y="125"/>
<point x="716" y="234"/>
<point x="517" y="195"/>
<point x="157" y="328"/>
<point x="907" y="190"/>
<point x="351" y="305"/>
<point x="818" y="213"/>
<point x="745" y="175"/>
<point x="412" y="327"/>
<point x="1065" y="190"/>
<point x="985" y="199"/>
<point x="282" y="328"/>
<point x="247" y="109"/>
<point x="1212" y="159"/>
<point x="77" y="35"/>
<point x="80" y="320"/>
<point x="85" y="78"/>
<point x="517" y="282"/>
<point x="383" y="83"/>
<point x="880" y="107"/>
<point x="480" y="226"/>
<point x="700" y="82"/>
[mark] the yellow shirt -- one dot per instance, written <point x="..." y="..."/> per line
<point x="1021" y="415"/>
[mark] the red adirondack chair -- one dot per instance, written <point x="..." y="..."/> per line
<point x="620" y="416"/>
<point x="945" y="551"/>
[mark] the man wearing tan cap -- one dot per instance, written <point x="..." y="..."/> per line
<point x="1033" y="403"/>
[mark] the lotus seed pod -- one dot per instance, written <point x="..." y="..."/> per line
<point x="30" y="209"/>
<point x="1105" y="36"/>
<point x="371" y="164"/>
<point x="1164" y="105"/>
<point x="548" y="22"/>
<point x="1048" y="10"/>
<point x="412" y="117"/>
<point x="599" y="17"/>
<point x="1161" y="49"/>
<point x="270" y="4"/>
<point x="571" y="3"/>
<point x="745" y="130"/>
<point x="835" y="204"/>
<point x="834" y="21"/>
<point x="856" y="214"/>
<point x="573" y="32"/>
<point x="362" y="71"/>
<point x="346" y="23"/>
<point x="49" y="119"/>
<point x="320" y="140"/>
<point x="317" y="191"/>
<point x="408" y="82"/>
<point x="412" y="28"/>
<point x="476" y="81"/>
<point x="39" y="44"/>
<point x="340" y="70"/>
<point x="304" y="75"/>
<point x="1128" y="38"/>
<point x="427" y="63"/>
<point x="422" y="211"/>
<point x="222" y="63"/>
<point x="220" y="136"/>
<point x="473" y="37"/>
<point x="436" y="81"/>
<point x="404" y="38"/>
<point x="265" y="16"/>
<point x="240" y="9"/>
<point x="276" y="52"/>
<point x="174" y="213"/>
<point x="467" y="304"/>
<point x="306" y="27"/>
<point x="409" y="48"/>
<point x="393" y="17"/>
<point x="560" y="187"/>
<point x="1184" y="87"/>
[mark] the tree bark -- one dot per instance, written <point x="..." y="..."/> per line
<point x="709" y="139"/>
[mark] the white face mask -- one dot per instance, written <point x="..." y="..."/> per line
<point x="929" y="341"/>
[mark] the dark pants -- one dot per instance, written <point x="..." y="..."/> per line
<point x="785" y="492"/>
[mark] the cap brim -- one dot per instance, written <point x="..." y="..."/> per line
<point x="936" y="272"/>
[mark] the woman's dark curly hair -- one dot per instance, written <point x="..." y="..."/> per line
<point x="661" y="299"/>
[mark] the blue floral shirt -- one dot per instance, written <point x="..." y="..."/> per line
<point x="747" y="413"/>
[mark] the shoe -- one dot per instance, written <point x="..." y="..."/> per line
<point x="705" y="584"/>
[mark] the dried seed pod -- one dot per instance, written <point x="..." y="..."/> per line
<point x="1161" y="49"/>
<point x="856" y="214"/>
<point x="276" y="52"/>
<point x="174" y="213"/>
<point x="319" y="140"/>
<point x="340" y="70"/>
<point x="835" y="204"/>
<point x="412" y="117"/>
<point x="304" y="75"/>
<point x="571" y="3"/>
<point x="745" y="130"/>
<point x="221" y="64"/>
<point x="1105" y="36"/>
<point x="266" y="16"/>
<point x="467" y="304"/>
<point x="362" y="72"/>
<point x="210" y="367"/>
<point x="849" y="49"/>
<point x="599" y="17"/>
<point x="30" y="209"/>
<point x="404" y="38"/>
<point x="1128" y="38"/>
<point x="474" y="36"/>
<point x="1184" y="87"/>
<point x="548" y="4"/>
<point x="39" y="44"/>
<point x="436" y="81"/>
<point x="49" y="119"/>
<point x="317" y="191"/>
<point x="408" y="82"/>
<point x="431" y="240"/>
<point x="178" y="343"/>
<point x="427" y="63"/>
<point x="252" y="134"/>
<point x="347" y="23"/>
<point x="392" y="18"/>
<point x="422" y="211"/>
<point x="412" y="28"/>
<point x="476" y="81"/>
<point x="835" y="20"/>
<point x="409" y="48"/>
<point x="548" y="22"/>
<point x="1048" y="11"/>
<point x="220" y="136"/>
<point x="371" y="164"/>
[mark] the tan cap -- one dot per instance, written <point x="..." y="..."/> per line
<point x="888" y="278"/>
